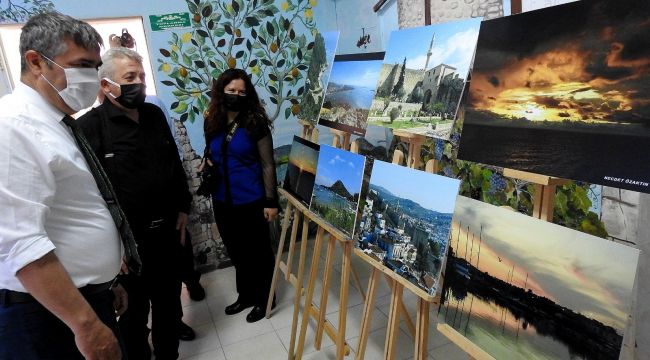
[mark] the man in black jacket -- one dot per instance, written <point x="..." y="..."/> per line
<point x="132" y="140"/>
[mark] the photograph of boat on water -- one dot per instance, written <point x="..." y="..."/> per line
<point x="564" y="91"/>
<point x="522" y="288"/>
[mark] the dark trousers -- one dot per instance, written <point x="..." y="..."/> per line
<point x="188" y="274"/>
<point x="157" y="288"/>
<point x="245" y="233"/>
<point x="29" y="331"/>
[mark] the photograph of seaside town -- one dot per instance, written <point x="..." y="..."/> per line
<point x="570" y="100"/>
<point x="522" y="288"/>
<point x="335" y="198"/>
<point x="318" y="75"/>
<point x="349" y="94"/>
<point x="406" y="221"/>
<point x="301" y="169"/>
<point x="423" y="76"/>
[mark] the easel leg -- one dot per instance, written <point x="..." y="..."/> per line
<point x="310" y="295"/>
<point x="368" y="308"/>
<point x="404" y="311"/>
<point x="292" y="244"/>
<point x="343" y="299"/>
<point x="301" y="272"/>
<point x="422" y="330"/>
<point x="356" y="281"/>
<point x="324" y="292"/>
<point x="393" y="321"/>
<point x="278" y="257"/>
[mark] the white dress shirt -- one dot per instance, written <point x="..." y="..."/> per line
<point x="48" y="198"/>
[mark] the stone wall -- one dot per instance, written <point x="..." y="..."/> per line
<point x="411" y="12"/>
<point x="411" y="77"/>
<point x="209" y="251"/>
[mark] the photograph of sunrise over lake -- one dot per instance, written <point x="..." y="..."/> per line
<point x="523" y="288"/>
<point x="564" y="91"/>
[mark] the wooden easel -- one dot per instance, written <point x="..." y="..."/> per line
<point x="341" y="139"/>
<point x="545" y="186"/>
<point x="414" y="142"/>
<point x="300" y="210"/>
<point x="397" y="311"/>
<point x="318" y="311"/>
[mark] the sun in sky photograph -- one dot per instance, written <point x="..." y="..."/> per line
<point x="564" y="91"/>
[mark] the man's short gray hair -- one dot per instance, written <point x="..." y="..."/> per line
<point x="46" y="33"/>
<point x="107" y="70"/>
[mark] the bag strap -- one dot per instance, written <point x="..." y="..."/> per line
<point x="224" y="159"/>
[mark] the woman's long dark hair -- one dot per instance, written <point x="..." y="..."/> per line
<point x="216" y="119"/>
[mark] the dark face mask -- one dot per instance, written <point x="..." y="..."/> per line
<point x="132" y="95"/>
<point x="234" y="102"/>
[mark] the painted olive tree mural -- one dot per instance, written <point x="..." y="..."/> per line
<point x="20" y="11"/>
<point x="272" y="44"/>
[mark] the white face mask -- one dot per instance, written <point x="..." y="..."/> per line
<point x="81" y="89"/>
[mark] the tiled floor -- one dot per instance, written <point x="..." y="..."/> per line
<point x="230" y="337"/>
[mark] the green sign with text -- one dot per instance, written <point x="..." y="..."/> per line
<point x="169" y="21"/>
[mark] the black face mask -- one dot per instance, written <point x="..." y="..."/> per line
<point x="132" y="95"/>
<point x="234" y="102"/>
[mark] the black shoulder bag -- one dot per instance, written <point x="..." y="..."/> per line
<point x="210" y="176"/>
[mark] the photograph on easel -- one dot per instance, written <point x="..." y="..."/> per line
<point x="523" y="288"/>
<point x="301" y="169"/>
<point x="335" y="198"/>
<point x="569" y="100"/>
<point x="350" y="92"/>
<point x="423" y="76"/>
<point x="318" y="75"/>
<point x="405" y="222"/>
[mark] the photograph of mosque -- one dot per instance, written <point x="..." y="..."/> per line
<point x="422" y="79"/>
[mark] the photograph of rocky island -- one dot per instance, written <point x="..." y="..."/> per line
<point x="405" y="222"/>
<point x="570" y="100"/>
<point x="522" y="288"/>
<point x="335" y="198"/>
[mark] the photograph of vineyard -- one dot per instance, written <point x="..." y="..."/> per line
<point x="335" y="198"/>
<point x="405" y="222"/>
<point x="318" y="76"/>
<point x="522" y="288"/>
<point x="301" y="169"/>
<point x="349" y="94"/>
<point x="423" y="76"/>
<point x="570" y="100"/>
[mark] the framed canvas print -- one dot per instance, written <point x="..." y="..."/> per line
<point x="350" y="92"/>
<point x="422" y="79"/>
<point x="337" y="188"/>
<point x="318" y="75"/>
<point x="301" y="169"/>
<point x="405" y="222"/>
<point x="522" y="288"/>
<point x="564" y="91"/>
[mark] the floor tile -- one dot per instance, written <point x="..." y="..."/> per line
<point x="206" y="340"/>
<point x="267" y="346"/>
<point x="234" y="328"/>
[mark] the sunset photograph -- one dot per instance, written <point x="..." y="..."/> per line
<point x="301" y="169"/>
<point x="519" y="287"/>
<point x="564" y="91"/>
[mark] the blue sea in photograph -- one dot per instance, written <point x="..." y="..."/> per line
<point x="359" y="97"/>
<point x="333" y="200"/>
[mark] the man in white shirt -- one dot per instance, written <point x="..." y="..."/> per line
<point x="59" y="247"/>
